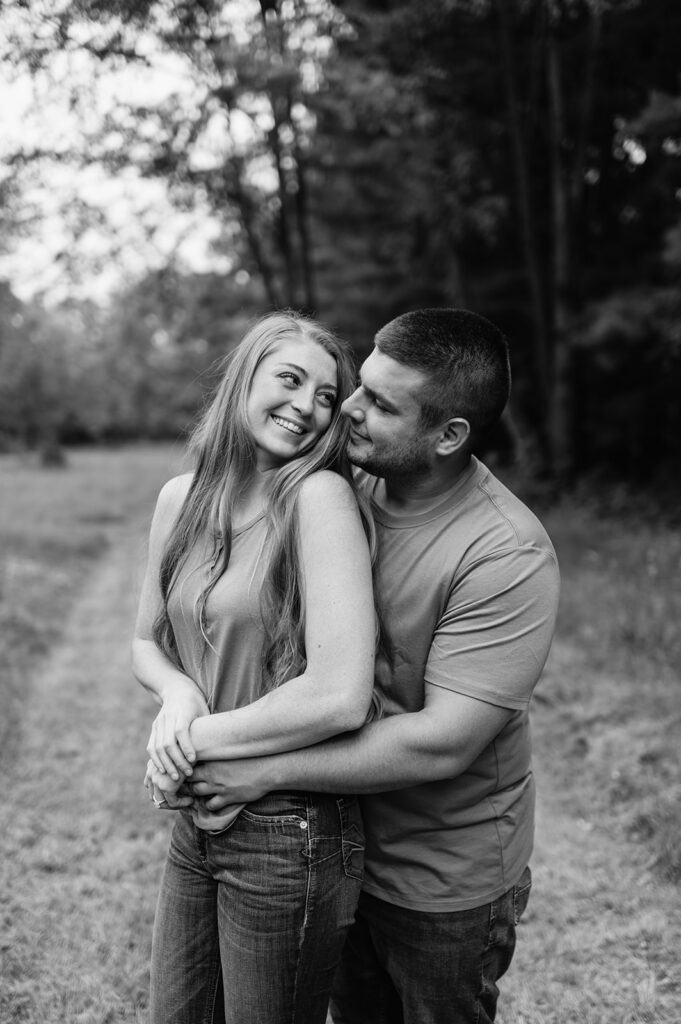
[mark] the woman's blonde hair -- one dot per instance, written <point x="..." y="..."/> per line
<point x="225" y="460"/>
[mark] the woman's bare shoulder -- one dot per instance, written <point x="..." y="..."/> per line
<point x="325" y="490"/>
<point x="173" y="493"/>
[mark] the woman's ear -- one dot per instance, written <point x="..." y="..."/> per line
<point x="453" y="436"/>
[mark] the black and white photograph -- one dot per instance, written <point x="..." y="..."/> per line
<point x="340" y="511"/>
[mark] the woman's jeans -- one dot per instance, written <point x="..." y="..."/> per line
<point x="251" y="921"/>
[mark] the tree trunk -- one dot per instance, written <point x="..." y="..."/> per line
<point x="586" y="105"/>
<point x="561" y="410"/>
<point x="304" y="229"/>
<point x="525" y="211"/>
<point x="246" y="215"/>
<point x="275" y="36"/>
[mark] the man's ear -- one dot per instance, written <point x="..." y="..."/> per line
<point x="453" y="436"/>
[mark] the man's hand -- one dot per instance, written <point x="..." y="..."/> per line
<point x="220" y="783"/>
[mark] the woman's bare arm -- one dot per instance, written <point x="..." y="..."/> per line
<point x="181" y="700"/>
<point x="333" y="694"/>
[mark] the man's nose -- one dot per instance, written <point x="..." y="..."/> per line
<point x="352" y="406"/>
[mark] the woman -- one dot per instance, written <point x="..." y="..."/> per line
<point x="256" y="633"/>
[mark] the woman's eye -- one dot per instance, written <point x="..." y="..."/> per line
<point x="289" y="377"/>
<point x="327" y="398"/>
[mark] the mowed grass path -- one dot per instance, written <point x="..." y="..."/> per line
<point x="81" y="849"/>
<point x="80" y="846"/>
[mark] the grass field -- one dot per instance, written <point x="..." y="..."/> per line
<point x="600" y="943"/>
<point x="80" y="849"/>
<point x="54" y="526"/>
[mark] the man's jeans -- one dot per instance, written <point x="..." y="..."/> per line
<point x="406" y="967"/>
<point x="260" y="911"/>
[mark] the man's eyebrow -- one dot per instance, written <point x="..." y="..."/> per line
<point x="377" y="396"/>
<point x="303" y="372"/>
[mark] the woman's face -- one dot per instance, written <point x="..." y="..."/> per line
<point x="291" y="401"/>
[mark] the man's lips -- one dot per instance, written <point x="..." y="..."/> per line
<point x="355" y="435"/>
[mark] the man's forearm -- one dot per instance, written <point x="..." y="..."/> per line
<point x="369" y="760"/>
<point x="390" y="754"/>
<point x="439" y="742"/>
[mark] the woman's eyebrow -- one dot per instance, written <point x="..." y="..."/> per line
<point x="303" y="372"/>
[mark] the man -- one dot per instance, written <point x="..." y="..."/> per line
<point x="467" y="584"/>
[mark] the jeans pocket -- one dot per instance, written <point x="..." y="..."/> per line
<point x="521" y="895"/>
<point x="275" y="811"/>
<point x="273" y="819"/>
<point x="352" y="838"/>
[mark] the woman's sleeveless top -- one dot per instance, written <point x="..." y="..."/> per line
<point x="226" y="663"/>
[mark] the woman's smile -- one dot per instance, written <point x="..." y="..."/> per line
<point x="291" y="402"/>
<point x="295" y="428"/>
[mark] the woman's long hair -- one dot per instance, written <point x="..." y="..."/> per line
<point x="225" y="460"/>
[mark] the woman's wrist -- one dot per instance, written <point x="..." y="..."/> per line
<point x="177" y="684"/>
<point x="209" y="736"/>
<point x="198" y="738"/>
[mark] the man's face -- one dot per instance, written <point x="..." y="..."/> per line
<point x="387" y="438"/>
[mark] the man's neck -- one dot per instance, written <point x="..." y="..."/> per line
<point x="423" y="492"/>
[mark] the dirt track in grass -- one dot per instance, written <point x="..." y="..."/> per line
<point x="80" y="849"/>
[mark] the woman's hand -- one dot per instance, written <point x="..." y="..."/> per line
<point x="163" y="790"/>
<point x="170" y="748"/>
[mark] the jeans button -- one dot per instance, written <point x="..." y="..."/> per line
<point x="303" y="824"/>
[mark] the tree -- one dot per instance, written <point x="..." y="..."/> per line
<point x="34" y="378"/>
<point x="520" y="157"/>
<point x="528" y="107"/>
<point x="235" y="139"/>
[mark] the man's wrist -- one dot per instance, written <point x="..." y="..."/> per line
<point x="279" y="772"/>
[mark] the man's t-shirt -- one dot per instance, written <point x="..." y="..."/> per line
<point x="469" y="592"/>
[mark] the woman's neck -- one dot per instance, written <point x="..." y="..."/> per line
<point x="251" y="500"/>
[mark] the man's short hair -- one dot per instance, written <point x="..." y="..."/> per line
<point x="465" y="358"/>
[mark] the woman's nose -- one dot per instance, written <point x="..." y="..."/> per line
<point x="303" y="401"/>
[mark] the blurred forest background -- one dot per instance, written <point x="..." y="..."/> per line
<point x="356" y="159"/>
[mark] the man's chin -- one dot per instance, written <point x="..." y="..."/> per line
<point x="372" y="463"/>
<point x="356" y="455"/>
<point x="363" y="460"/>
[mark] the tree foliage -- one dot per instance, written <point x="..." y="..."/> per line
<point x="364" y="157"/>
<point x="141" y="368"/>
<point x="235" y="139"/>
<point x="521" y="158"/>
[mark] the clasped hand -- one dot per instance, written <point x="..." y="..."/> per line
<point x="164" y="791"/>
<point x="171" y="751"/>
<point x="213" y="787"/>
<point x="173" y="780"/>
<point x="170" y="747"/>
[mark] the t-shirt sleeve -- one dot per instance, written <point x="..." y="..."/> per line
<point x="493" y="639"/>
